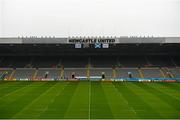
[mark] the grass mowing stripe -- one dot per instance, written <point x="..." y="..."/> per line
<point x="76" y="100"/>
<point x="78" y="107"/>
<point x="89" y="105"/>
<point x="21" y="101"/>
<point x="119" y="106"/>
<point x="164" y="109"/>
<point x="12" y="88"/>
<point x="7" y="98"/>
<point x="38" y="105"/>
<point x="165" y="96"/>
<point x="142" y="109"/>
<point x="99" y="105"/>
<point x="172" y="88"/>
<point x="2" y="82"/>
<point x="57" y="92"/>
<point x="58" y="108"/>
<point x="169" y="91"/>
<point x="14" y="102"/>
<point x="176" y="83"/>
<point x="5" y="84"/>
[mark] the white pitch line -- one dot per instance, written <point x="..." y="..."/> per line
<point x="35" y="100"/>
<point x="132" y="109"/>
<point x="52" y="101"/>
<point x="125" y="101"/>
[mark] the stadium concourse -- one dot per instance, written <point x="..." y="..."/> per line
<point x="112" y="59"/>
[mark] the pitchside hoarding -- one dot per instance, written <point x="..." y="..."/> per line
<point x="147" y="79"/>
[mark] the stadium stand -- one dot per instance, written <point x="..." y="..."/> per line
<point x="74" y="62"/>
<point x="160" y="61"/>
<point x="48" y="74"/>
<point x="152" y="73"/>
<point x="99" y="71"/>
<point x="76" y="58"/>
<point x="103" y="61"/>
<point x="76" y="71"/>
<point x="14" y="62"/>
<point x="23" y="74"/>
<point x="45" y="62"/>
<point x="7" y="62"/>
<point x="131" y="61"/>
<point x="175" y="72"/>
<point x="5" y="73"/>
<point x="123" y="72"/>
<point x="176" y="60"/>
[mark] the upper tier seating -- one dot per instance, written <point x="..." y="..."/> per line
<point x="103" y="62"/>
<point x="160" y="61"/>
<point x="74" y="62"/>
<point x="176" y="60"/>
<point x="15" y="62"/>
<point x="45" y="62"/>
<point x="131" y="61"/>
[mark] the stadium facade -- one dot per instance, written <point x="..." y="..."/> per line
<point x="90" y="58"/>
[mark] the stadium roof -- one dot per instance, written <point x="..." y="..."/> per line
<point x="49" y="40"/>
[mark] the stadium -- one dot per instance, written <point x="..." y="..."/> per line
<point x="90" y="78"/>
<point x="98" y="59"/>
<point x="90" y="59"/>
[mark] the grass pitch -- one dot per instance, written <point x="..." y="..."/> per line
<point x="89" y="100"/>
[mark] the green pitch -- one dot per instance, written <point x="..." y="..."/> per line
<point x="89" y="100"/>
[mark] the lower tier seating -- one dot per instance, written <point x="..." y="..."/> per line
<point x="125" y="72"/>
<point x="152" y="73"/>
<point x="67" y="73"/>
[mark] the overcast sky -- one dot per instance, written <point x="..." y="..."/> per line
<point x="64" y="18"/>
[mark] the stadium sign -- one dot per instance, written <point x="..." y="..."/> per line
<point x="147" y="79"/>
<point x="94" y="40"/>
